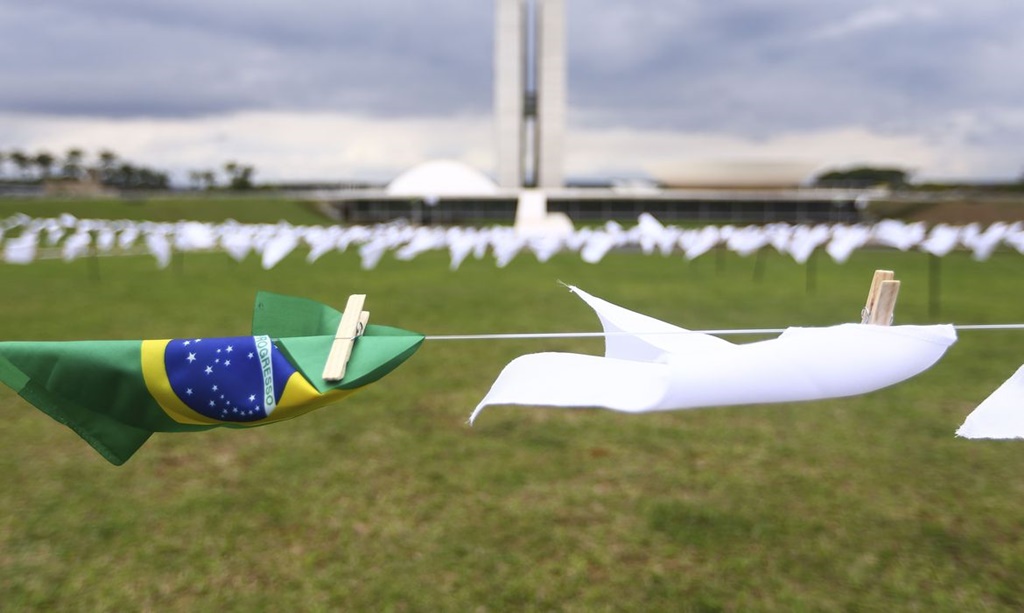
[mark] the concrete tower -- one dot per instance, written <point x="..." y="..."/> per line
<point x="529" y="92"/>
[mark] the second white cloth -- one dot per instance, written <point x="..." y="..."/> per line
<point x="650" y="365"/>
<point x="1001" y="415"/>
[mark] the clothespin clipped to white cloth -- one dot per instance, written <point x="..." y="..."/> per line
<point x="881" y="299"/>
<point x="353" y="322"/>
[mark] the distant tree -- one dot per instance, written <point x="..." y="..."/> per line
<point x="110" y="169"/>
<point x="124" y="175"/>
<point x="202" y="179"/>
<point x="863" y="177"/>
<point x="107" y="164"/>
<point x="209" y="179"/>
<point x="239" y="175"/>
<point x="129" y="176"/>
<point x="44" y="160"/>
<point x="146" y="178"/>
<point x="72" y="168"/>
<point x="244" y="178"/>
<point x="152" y="179"/>
<point x="22" y="161"/>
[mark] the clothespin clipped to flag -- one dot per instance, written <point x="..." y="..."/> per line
<point x="353" y="323"/>
<point x="881" y="302"/>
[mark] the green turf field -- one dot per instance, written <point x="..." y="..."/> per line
<point x="390" y="501"/>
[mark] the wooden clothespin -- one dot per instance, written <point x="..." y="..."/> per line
<point x="881" y="299"/>
<point x="353" y="322"/>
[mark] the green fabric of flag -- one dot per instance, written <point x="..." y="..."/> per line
<point x="116" y="394"/>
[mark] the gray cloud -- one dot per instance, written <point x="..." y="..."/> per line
<point x="116" y="58"/>
<point x="801" y="65"/>
<point x="738" y="67"/>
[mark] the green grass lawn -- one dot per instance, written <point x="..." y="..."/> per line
<point x="389" y="501"/>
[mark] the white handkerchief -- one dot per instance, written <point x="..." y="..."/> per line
<point x="1001" y="415"/>
<point x="650" y="365"/>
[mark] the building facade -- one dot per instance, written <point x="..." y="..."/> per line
<point x="530" y="92"/>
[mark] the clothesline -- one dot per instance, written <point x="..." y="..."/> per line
<point x="725" y="332"/>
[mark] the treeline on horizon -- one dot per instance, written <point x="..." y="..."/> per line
<point x="108" y="169"/>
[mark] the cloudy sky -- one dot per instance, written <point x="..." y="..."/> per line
<point x="343" y="89"/>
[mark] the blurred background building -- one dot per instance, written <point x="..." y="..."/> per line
<point x="530" y="92"/>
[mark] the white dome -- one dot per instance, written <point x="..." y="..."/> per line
<point x="442" y="178"/>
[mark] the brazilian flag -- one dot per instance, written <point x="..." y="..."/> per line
<point x="115" y="394"/>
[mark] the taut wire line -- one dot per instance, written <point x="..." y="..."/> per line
<point x="727" y="332"/>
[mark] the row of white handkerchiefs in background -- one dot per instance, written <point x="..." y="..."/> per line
<point x="25" y="239"/>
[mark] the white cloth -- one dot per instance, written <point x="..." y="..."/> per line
<point x="805" y="240"/>
<point x="696" y="243"/>
<point x="236" y="240"/>
<point x="278" y="247"/>
<point x="895" y="233"/>
<point x="846" y="240"/>
<point x="1001" y="415"/>
<point x="941" y="240"/>
<point x="1015" y="236"/>
<point x="748" y="240"/>
<point x="321" y="240"/>
<point x="22" y="249"/>
<point x="983" y="243"/>
<point x="650" y="365"/>
<point x="160" y="247"/>
<point x="462" y="241"/>
<point x="194" y="236"/>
